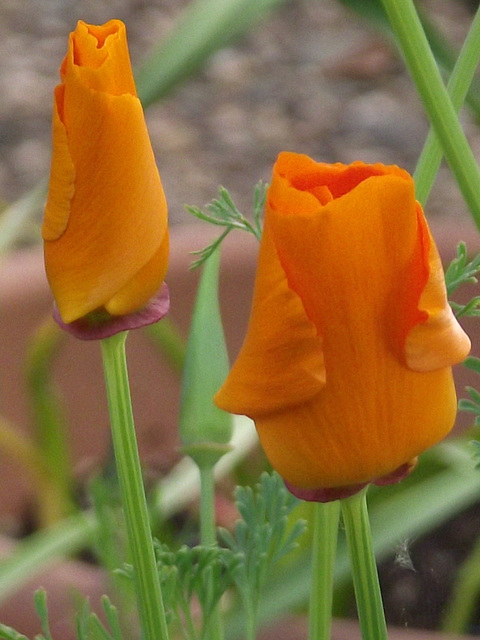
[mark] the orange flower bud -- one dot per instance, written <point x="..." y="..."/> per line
<point x="105" y="227"/>
<point x="346" y="366"/>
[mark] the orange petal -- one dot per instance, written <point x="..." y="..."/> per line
<point x="118" y="213"/>
<point x="437" y="340"/>
<point x="281" y="361"/>
<point x="345" y="261"/>
<point x="348" y="436"/>
<point x="106" y="216"/>
<point x="62" y="177"/>
<point x="143" y="286"/>
<point x="98" y="57"/>
<point x="353" y="262"/>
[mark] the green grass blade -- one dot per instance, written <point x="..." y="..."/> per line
<point x="205" y="27"/>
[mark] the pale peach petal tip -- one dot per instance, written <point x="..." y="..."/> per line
<point x="439" y="341"/>
<point x="86" y="329"/>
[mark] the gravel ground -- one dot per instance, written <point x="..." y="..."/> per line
<point x="311" y="77"/>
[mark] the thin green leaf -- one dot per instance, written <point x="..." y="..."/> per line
<point x="261" y="538"/>
<point x="459" y="271"/>
<point x="204" y="254"/>
<point x="82" y="620"/>
<point x="476" y="452"/>
<point x="471" y="309"/>
<point x="111" y="614"/>
<point x="40" y="600"/>
<point x="206" y="217"/>
<point x="167" y="337"/>
<point x="7" y="633"/>
<point x="201" y="422"/>
<point x="468" y="405"/>
<point x="472" y="363"/>
<point x="474" y="394"/>
<point x="398" y="512"/>
<point x="223" y="212"/>
<point x="96" y="629"/>
<point x="431" y="89"/>
<point x="259" y="199"/>
<point x="444" y="53"/>
<point x="204" y="27"/>
<point x="50" y="424"/>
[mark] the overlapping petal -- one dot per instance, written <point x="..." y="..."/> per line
<point x="438" y="341"/>
<point x="351" y="246"/>
<point x="105" y="222"/>
<point x="281" y="362"/>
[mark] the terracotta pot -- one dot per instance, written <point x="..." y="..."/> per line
<point x="61" y="582"/>
<point x="26" y="302"/>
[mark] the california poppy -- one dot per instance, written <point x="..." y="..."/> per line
<point x="105" y="226"/>
<point x="346" y="366"/>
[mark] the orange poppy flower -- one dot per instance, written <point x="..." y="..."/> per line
<point x="105" y="227"/>
<point x="346" y="366"/>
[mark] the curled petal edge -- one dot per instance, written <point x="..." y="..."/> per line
<point x="97" y="326"/>
<point x="329" y="494"/>
<point x="438" y="341"/>
<point x="62" y="178"/>
<point x="273" y="371"/>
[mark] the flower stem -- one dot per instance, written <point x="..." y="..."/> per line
<point x="50" y="431"/>
<point x="147" y="585"/>
<point x="461" y="605"/>
<point x="326" y="517"/>
<point x="458" y="86"/>
<point x="436" y="101"/>
<point x="167" y="338"/>
<point x="207" y="505"/>
<point x="207" y="535"/>
<point x="365" y="575"/>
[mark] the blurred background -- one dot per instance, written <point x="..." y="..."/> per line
<point x="317" y="77"/>
<point x="312" y="77"/>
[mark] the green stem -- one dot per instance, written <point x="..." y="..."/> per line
<point x="50" y="429"/>
<point x="147" y="585"/>
<point x="204" y="27"/>
<point x="461" y="606"/>
<point x="207" y="505"/>
<point x="167" y="338"/>
<point x="457" y="87"/>
<point x="365" y="575"/>
<point x="436" y="101"/>
<point x="38" y="551"/>
<point x="324" y="549"/>
<point x="214" y="625"/>
<point x="250" y="611"/>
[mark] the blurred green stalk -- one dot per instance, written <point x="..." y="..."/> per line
<point x="146" y="580"/>
<point x="325" y="530"/>
<point x="461" y="606"/>
<point x="205" y="430"/>
<point x="204" y="27"/>
<point x="50" y="427"/>
<point x="457" y="87"/>
<point x="174" y="493"/>
<point x="436" y="101"/>
<point x="168" y="340"/>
